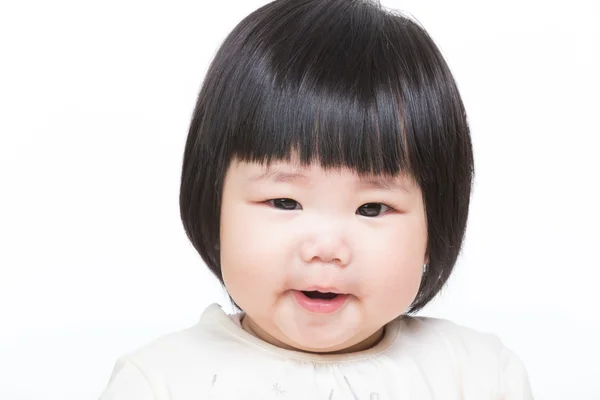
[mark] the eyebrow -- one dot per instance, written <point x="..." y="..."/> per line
<point x="369" y="182"/>
<point x="279" y="176"/>
<point x="390" y="184"/>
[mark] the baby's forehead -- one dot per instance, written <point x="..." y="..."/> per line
<point x="293" y="170"/>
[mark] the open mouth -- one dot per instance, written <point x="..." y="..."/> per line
<point x="320" y="302"/>
<point x="319" y="295"/>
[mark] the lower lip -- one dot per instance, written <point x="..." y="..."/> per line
<point x="320" y="306"/>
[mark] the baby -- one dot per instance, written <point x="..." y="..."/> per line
<point x="326" y="183"/>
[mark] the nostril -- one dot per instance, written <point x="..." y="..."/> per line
<point x="326" y="250"/>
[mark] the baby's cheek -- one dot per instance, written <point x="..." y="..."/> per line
<point x="393" y="276"/>
<point x="252" y="257"/>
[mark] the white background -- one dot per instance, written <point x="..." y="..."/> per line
<point x="95" y="102"/>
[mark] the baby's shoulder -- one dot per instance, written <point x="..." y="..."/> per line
<point x="439" y="332"/>
<point x="439" y="342"/>
<point x="172" y="350"/>
<point x="478" y="359"/>
<point x="172" y="365"/>
<point x="444" y="331"/>
<point x="185" y="351"/>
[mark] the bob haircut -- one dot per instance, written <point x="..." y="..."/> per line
<point x="342" y="82"/>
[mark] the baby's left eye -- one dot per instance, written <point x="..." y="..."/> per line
<point x="372" y="209"/>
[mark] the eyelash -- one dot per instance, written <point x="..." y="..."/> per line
<point x="384" y="205"/>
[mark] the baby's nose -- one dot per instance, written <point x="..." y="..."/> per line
<point x="326" y="247"/>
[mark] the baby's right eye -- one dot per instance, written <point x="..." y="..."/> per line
<point x="285" y="204"/>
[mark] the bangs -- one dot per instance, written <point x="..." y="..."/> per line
<point x="326" y="122"/>
<point x="349" y="87"/>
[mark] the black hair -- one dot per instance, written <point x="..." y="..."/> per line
<point x="346" y="83"/>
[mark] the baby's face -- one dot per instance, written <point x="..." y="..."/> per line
<point x="288" y="232"/>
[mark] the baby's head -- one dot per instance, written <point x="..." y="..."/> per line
<point x="329" y="152"/>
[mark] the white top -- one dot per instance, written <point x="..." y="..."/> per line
<point x="418" y="358"/>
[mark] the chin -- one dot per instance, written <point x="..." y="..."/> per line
<point x="321" y="344"/>
<point x="319" y="337"/>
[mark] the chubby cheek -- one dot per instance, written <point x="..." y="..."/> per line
<point x="394" y="294"/>
<point x="396" y="258"/>
<point x="252" y="255"/>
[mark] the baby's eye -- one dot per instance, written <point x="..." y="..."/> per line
<point x="372" y="209"/>
<point x="285" y="204"/>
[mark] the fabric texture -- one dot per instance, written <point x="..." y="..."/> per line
<point x="418" y="358"/>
